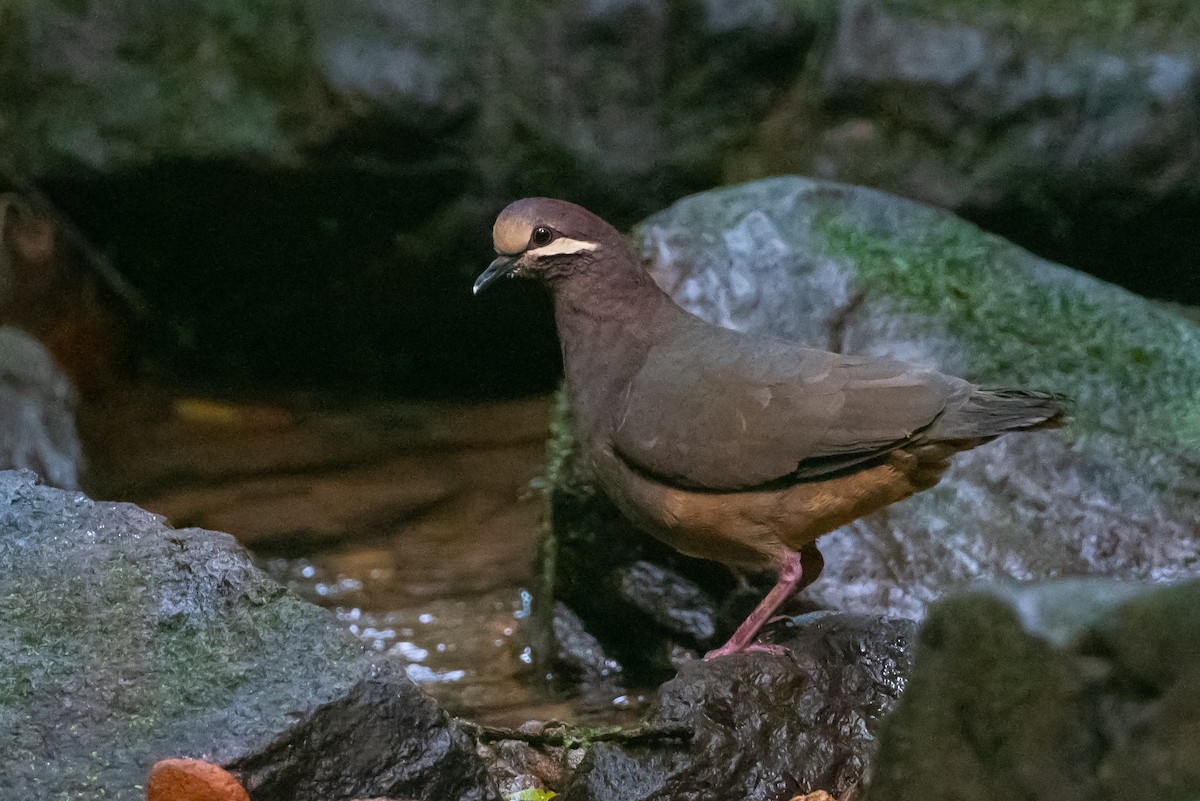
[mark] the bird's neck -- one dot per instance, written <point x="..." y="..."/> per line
<point x="606" y="327"/>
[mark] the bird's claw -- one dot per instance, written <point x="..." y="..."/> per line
<point x="752" y="648"/>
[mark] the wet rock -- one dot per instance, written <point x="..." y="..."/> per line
<point x="37" y="412"/>
<point x="580" y="656"/>
<point x="763" y="727"/>
<point x="383" y="736"/>
<point x="125" y="642"/>
<point x="1075" y="689"/>
<point x="858" y="271"/>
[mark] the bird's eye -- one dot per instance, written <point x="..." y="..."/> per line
<point x="542" y="235"/>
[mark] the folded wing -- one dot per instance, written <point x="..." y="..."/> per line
<point x="713" y="410"/>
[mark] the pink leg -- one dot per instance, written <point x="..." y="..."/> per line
<point x="789" y="576"/>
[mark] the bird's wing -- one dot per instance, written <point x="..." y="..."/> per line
<point x="717" y="411"/>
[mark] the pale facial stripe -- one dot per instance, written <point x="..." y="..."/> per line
<point x="563" y="245"/>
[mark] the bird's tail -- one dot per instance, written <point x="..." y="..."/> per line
<point x="988" y="413"/>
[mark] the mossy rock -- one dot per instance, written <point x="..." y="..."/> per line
<point x="123" y="642"/>
<point x="1075" y="689"/>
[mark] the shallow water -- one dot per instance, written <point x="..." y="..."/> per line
<point x="414" y="523"/>
<point x="468" y="652"/>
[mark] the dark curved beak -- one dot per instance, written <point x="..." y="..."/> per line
<point x="499" y="268"/>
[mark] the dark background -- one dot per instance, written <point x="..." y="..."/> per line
<point x="302" y="195"/>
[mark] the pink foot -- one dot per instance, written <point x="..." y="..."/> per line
<point x="742" y="639"/>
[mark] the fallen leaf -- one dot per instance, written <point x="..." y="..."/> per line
<point x="192" y="780"/>
<point x="818" y="795"/>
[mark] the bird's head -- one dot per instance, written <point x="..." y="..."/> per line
<point x="545" y="238"/>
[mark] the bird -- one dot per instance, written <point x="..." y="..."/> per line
<point x="727" y="446"/>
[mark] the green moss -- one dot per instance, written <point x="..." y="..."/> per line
<point x="115" y="651"/>
<point x="1115" y="24"/>
<point x="560" y="449"/>
<point x="1027" y="328"/>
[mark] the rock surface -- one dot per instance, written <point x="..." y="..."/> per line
<point x="762" y="727"/>
<point x="1042" y="92"/>
<point x="409" y="85"/>
<point x="124" y="642"/>
<point x="37" y="412"/>
<point x="1077" y="689"/>
<point x="1071" y="130"/>
<point x="1115" y="494"/>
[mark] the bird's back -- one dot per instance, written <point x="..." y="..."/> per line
<point x="713" y="409"/>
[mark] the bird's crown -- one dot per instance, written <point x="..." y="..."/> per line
<point x="552" y="240"/>
<point x="545" y="226"/>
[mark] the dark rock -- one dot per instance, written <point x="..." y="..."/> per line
<point x="291" y="82"/>
<point x="763" y="727"/>
<point x="960" y="104"/>
<point x="580" y="657"/>
<point x="1076" y="689"/>
<point x="37" y="412"/>
<point x="123" y="642"/>
<point x="854" y="270"/>
<point x="384" y="736"/>
<point x="673" y="602"/>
